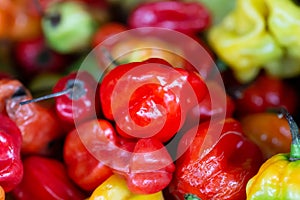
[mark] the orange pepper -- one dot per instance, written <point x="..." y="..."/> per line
<point x="2" y="193"/>
<point x="19" y="20"/>
<point x="269" y="131"/>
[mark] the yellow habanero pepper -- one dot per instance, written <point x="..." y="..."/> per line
<point x="278" y="178"/>
<point x="259" y="34"/>
<point x="115" y="188"/>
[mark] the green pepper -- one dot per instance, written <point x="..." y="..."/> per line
<point x="278" y="178"/>
<point x="259" y="34"/>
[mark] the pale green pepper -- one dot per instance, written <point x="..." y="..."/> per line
<point x="259" y="34"/>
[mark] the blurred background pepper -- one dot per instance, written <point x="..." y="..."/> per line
<point x="259" y="35"/>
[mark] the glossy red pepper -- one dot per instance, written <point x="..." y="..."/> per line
<point x="269" y="131"/>
<point x="80" y="103"/>
<point x="151" y="167"/>
<point x="45" y="178"/>
<point x="11" y="167"/>
<point x="205" y="110"/>
<point x="149" y="98"/>
<point x="265" y="93"/>
<point x="186" y="17"/>
<point x="146" y="164"/>
<point x="221" y="169"/>
<point x="83" y="168"/>
<point x="39" y="125"/>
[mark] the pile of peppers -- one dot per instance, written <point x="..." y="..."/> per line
<point x="153" y="126"/>
<point x="259" y="35"/>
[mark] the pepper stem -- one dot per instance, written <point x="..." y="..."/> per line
<point x="75" y="89"/>
<point x="191" y="197"/>
<point x="295" y="145"/>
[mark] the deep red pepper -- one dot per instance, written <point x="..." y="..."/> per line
<point x="146" y="164"/>
<point x="80" y="104"/>
<point x="11" y="167"/>
<point x="186" y="17"/>
<point x="35" y="57"/>
<point x="223" y="106"/>
<point x="45" y="178"/>
<point x="265" y="93"/>
<point x="83" y="168"/>
<point x="218" y="170"/>
<point x="151" y="167"/>
<point x="150" y="99"/>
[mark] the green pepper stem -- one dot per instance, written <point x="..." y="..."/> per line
<point x="295" y="145"/>
<point x="191" y="197"/>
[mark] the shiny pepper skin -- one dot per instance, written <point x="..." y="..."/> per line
<point x="189" y="18"/>
<point x="80" y="104"/>
<point x="45" y="178"/>
<point x="266" y="92"/>
<point x="149" y="98"/>
<point x="83" y="168"/>
<point x="151" y="167"/>
<point x="278" y="177"/>
<point x="204" y="110"/>
<point x="11" y="167"/>
<point x="269" y="131"/>
<point x="38" y="125"/>
<point x="219" y="169"/>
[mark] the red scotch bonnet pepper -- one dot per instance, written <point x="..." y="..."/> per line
<point x="38" y="125"/>
<point x="45" y="178"/>
<point x="11" y="167"/>
<point x="150" y="98"/>
<point x="79" y="103"/>
<point x="220" y="171"/>
<point x="185" y="17"/>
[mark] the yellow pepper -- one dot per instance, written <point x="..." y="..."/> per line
<point x="278" y="178"/>
<point x="115" y="188"/>
<point x="259" y="34"/>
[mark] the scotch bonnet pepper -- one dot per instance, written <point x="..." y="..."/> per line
<point x="11" y="167"/>
<point x="115" y="188"/>
<point x="278" y="177"/>
<point x="150" y="98"/>
<point x="259" y="35"/>
<point x="215" y="170"/>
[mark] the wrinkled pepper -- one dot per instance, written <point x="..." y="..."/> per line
<point x="83" y="168"/>
<point x="115" y="188"/>
<point x="259" y="35"/>
<point x="215" y="167"/>
<point x="154" y="98"/>
<point x="278" y="177"/>
<point x="39" y="125"/>
<point x="11" y="167"/>
<point x="269" y="131"/>
<point x="146" y="164"/>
